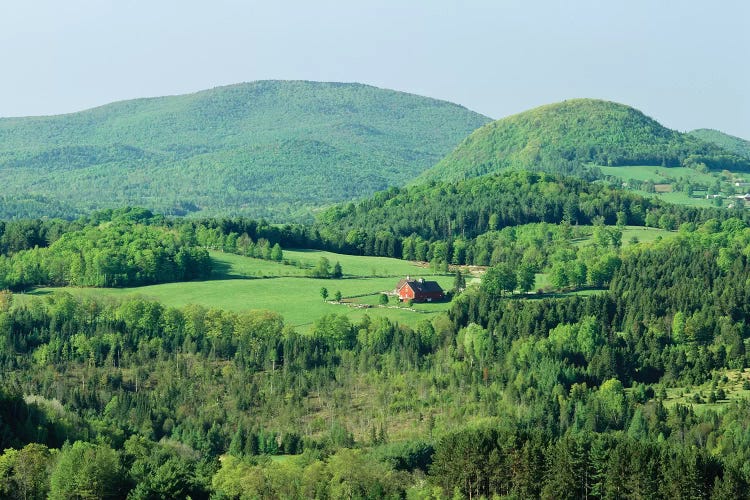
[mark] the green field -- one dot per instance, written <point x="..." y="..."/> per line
<point x="354" y="265"/>
<point x="300" y="262"/>
<point x="681" y="198"/>
<point x="641" y="233"/>
<point x="644" y="234"/>
<point x="243" y="283"/>
<point x="667" y="175"/>
<point x="240" y="283"/>
<point x="657" y="174"/>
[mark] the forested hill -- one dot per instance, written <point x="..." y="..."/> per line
<point x="729" y="142"/>
<point x="566" y="137"/>
<point x="468" y="208"/>
<point x="267" y="148"/>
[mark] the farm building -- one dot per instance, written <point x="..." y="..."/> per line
<point x="419" y="290"/>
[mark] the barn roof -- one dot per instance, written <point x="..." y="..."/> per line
<point x="421" y="286"/>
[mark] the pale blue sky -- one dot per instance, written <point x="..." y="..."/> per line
<point x="685" y="63"/>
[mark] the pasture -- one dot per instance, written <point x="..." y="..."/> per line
<point x="658" y="174"/>
<point x="242" y="283"/>
<point x="300" y="262"/>
<point x="644" y="234"/>
<point x="664" y="177"/>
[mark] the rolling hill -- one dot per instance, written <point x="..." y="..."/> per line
<point x="469" y="208"/>
<point x="275" y="149"/>
<point x="568" y="137"/>
<point x="731" y="143"/>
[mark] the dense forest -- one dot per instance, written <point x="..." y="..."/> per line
<point x="282" y="150"/>
<point x="636" y="390"/>
<point x="524" y="398"/>
<point x="481" y="220"/>
<point x="118" y="252"/>
<point x="570" y="136"/>
<point x="130" y="247"/>
<point x="272" y="149"/>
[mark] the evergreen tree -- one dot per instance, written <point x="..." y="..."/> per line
<point x="338" y="273"/>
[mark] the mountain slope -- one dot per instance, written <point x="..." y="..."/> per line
<point x="729" y="142"/>
<point x="269" y="148"/>
<point x="469" y="208"/>
<point x="565" y="137"/>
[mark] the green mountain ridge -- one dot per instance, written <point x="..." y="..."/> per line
<point x="569" y="136"/>
<point x="731" y="143"/>
<point x="275" y="149"/>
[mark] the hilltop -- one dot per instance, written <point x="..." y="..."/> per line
<point x="569" y="136"/>
<point x="271" y="149"/>
<point x="731" y="143"/>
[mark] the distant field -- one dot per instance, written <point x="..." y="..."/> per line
<point x="657" y="174"/>
<point x="302" y="261"/>
<point x="354" y="265"/>
<point x="241" y="283"/>
<point x="664" y="175"/>
<point x="238" y="286"/>
<point x="644" y="234"/>
<point x="681" y="198"/>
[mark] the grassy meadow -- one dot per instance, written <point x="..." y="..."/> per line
<point x="242" y="283"/>
<point x="681" y="198"/>
<point x="663" y="177"/>
<point x="644" y="234"/>
<point x="658" y="174"/>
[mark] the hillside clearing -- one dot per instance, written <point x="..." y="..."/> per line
<point x="246" y="283"/>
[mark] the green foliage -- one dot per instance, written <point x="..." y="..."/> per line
<point x="526" y="277"/>
<point x="338" y="272"/>
<point x="498" y="280"/>
<point x="273" y="149"/>
<point x="24" y="473"/>
<point x="87" y="471"/>
<point x="459" y="281"/>
<point x="508" y="396"/>
<point x="322" y="270"/>
<point x="566" y="137"/>
<point x="728" y="142"/>
<point x="524" y="397"/>
<point x="276" y="253"/>
<point x="449" y="222"/>
<point x="116" y="253"/>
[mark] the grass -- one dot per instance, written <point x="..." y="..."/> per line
<point x="242" y="283"/>
<point x="733" y="388"/>
<point x="230" y="266"/>
<point x="300" y="262"/>
<point x="354" y="265"/>
<point x="682" y="198"/>
<point x="657" y="174"/>
<point x="665" y="176"/>
<point x="644" y="234"/>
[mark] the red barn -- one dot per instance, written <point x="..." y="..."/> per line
<point x="419" y="290"/>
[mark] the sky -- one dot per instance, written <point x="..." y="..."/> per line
<point x="685" y="63"/>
